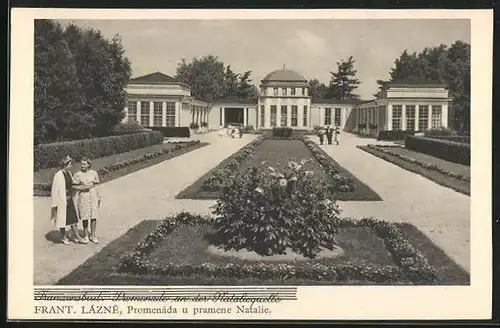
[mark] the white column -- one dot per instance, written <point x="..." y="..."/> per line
<point x="444" y="115"/>
<point x="278" y="114"/>
<point x="289" y="115"/>
<point x="429" y="123"/>
<point x="267" y="109"/>
<point x="138" y="116"/>
<point x="403" y="117"/>
<point x="300" y="116"/>
<point x="151" y="113"/>
<point x="389" y="116"/>
<point x="417" y="115"/>
<point x="321" y="116"/>
<point x="245" y="118"/>
<point x="178" y="106"/>
<point x="223" y="115"/>
<point x="164" y="113"/>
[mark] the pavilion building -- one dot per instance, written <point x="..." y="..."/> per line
<point x="158" y="100"/>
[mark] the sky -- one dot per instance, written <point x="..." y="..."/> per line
<point x="311" y="47"/>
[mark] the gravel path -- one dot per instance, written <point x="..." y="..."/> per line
<point x="145" y="194"/>
<point x="439" y="212"/>
<point x="442" y="214"/>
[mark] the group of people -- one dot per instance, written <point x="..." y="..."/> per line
<point x="232" y="131"/>
<point x="329" y="133"/>
<point x="76" y="198"/>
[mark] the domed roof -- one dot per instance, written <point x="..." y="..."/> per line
<point x="284" y="75"/>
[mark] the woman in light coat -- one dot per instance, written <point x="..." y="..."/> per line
<point x="63" y="208"/>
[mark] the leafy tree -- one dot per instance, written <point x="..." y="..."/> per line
<point x="205" y="76"/>
<point x="231" y="80"/>
<point x="447" y="65"/>
<point x="245" y="89"/>
<point x="318" y="90"/>
<point x="79" y="82"/>
<point x="344" y="81"/>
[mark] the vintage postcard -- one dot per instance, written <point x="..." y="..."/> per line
<point x="250" y="164"/>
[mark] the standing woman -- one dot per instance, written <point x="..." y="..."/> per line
<point x="63" y="207"/>
<point x="321" y="135"/>
<point x="88" y="199"/>
<point x="337" y="135"/>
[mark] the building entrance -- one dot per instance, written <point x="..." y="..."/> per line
<point x="233" y="115"/>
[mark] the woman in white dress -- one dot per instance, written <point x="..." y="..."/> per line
<point x="88" y="198"/>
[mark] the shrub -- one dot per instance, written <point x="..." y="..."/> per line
<point x="448" y="150"/>
<point x="128" y="128"/>
<point x="49" y="155"/>
<point x="170" y="131"/>
<point x="442" y="131"/>
<point x="391" y="135"/>
<point x="282" y="132"/>
<point x="340" y="183"/>
<point x="194" y="126"/>
<point x="270" y="212"/>
<point x="248" y="129"/>
<point x="204" y="124"/>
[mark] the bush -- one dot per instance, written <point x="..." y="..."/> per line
<point x="204" y="125"/>
<point x="391" y="135"/>
<point x="128" y="128"/>
<point x="194" y="126"/>
<point x="170" y="131"/>
<point x="448" y="150"/>
<point x="442" y="131"/>
<point x="49" y="155"/>
<point x="248" y="129"/>
<point x="270" y="212"/>
<point x="282" y="132"/>
<point x="463" y="139"/>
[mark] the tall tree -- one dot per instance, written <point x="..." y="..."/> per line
<point x="447" y="65"/>
<point x="79" y="82"/>
<point x="205" y="76"/>
<point x="244" y="87"/>
<point x="231" y="83"/>
<point x="344" y="81"/>
<point x="318" y="90"/>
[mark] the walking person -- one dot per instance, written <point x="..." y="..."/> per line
<point x="321" y="135"/>
<point x="88" y="198"/>
<point x="329" y="134"/>
<point x="63" y="212"/>
<point x="337" y="135"/>
<point x="240" y="131"/>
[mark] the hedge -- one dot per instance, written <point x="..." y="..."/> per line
<point x="178" y="131"/>
<point x="282" y="132"/>
<point x="49" y="155"/>
<point x="391" y="135"/>
<point x="410" y="263"/>
<point x="456" y="152"/>
<point x="462" y="139"/>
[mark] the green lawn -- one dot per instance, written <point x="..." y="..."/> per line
<point x="458" y="185"/>
<point x="45" y="176"/>
<point x="187" y="246"/>
<point x="277" y="153"/>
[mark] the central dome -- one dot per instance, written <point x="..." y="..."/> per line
<point x="284" y="75"/>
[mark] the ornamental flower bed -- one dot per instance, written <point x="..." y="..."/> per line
<point x="44" y="188"/>
<point x="410" y="266"/>
<point x="269" y="212"/>
<point x="429" y="166"/>
<point x="229" y="168"/>
<point x="342" y="183"/>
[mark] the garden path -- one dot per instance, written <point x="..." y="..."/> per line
<point x="145" y="194"/>
<point x="441" y="213"/>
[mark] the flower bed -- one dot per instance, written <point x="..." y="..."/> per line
<point x="410" y="263"/>
<point x="429" y="166"/>
<point x="43" y="189"/>
<point x="456" y="182"/>
<point x="229" y="167"/>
